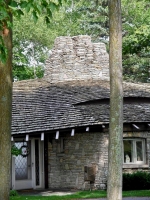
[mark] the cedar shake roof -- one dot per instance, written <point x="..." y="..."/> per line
<point x="39" y="105"/>
<point x="74" y="91"/>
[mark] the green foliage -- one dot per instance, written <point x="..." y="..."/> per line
<point x="86" y="17"/>
<point x="25" y="72"/>
<point x="13" y="193"/>
<point x="25" y="31"/>
<point x="18" y="8"/>
<point x="15" y="151"/>
<point x="31" y="42"/>
<point x="4" y="13"/>
<point x="137" y="181"/>
<point x="95" y="18"/>
<point x="3" y="50"/>
<point x="137" y="67"/>
<point x="36" y="8"/>
<point x="136" y="40"/>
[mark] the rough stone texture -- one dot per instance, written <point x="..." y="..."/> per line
<point x="66" y="169"/>
<point x="77" y="58"/>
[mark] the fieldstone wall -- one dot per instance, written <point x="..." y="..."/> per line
<point x="77" y="58"/>
<point x="66" y="170"/>
<point x="67" y="164"/>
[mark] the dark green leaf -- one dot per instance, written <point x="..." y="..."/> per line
<point x="60" y="2"/>
<point x="53" y="6"/>
<point x="14" y="4"/>
<point x="47" y="20"/>
<point x="44" y="4"/>
<point x="23" y="4"/>
<point x="3" y="54"/>
<point x="35" y="17"/>
<point x="49" y="13"/>
<point x="19" y="12"/>
<point x="28" y="7"/>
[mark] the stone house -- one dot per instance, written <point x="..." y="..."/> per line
<point x="61" y="121"/>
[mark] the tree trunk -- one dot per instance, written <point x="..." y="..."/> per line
<point x="115" y="152"/>
<point x="5" y="116"/>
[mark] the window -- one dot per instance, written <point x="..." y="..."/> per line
<point x="134" y="151"/>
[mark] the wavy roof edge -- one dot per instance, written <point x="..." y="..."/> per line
<point x="28" y="85"/>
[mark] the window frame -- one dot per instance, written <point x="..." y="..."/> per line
<point x="134" y="151"/>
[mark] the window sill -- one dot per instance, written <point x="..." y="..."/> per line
<point x="128" y="166"/>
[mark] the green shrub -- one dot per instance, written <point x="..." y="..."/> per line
<point x="15" y="151"/>
<point x="13" y="193"/>
<point x="136" y="181"/>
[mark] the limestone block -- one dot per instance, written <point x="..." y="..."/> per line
<point x="68" y="50"/>
<point x="77" y="146"/>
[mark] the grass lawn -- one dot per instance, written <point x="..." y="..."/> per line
<point x="84" y="195"/>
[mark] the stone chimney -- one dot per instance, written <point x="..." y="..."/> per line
<point x="77" y="58"/>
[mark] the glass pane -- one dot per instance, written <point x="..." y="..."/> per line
<point x="128" y="151"/>
<point x="21" y="168"/>
<point x="22" y="164"/>
<point x="139" y="151"/>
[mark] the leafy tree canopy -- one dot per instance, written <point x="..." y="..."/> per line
<point x="17" y="8"/>
<point x="136" y="42"/>
<point x="32" y="43"/>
